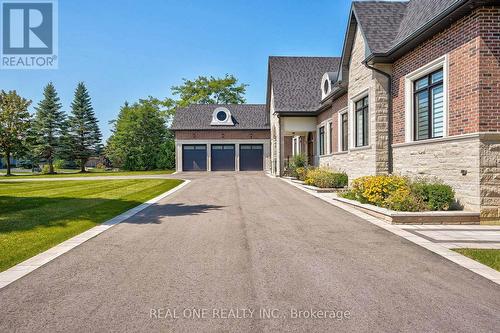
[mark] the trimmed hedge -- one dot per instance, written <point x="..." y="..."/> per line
<point x="326" y="179"/>
<point x="401" y="194"/>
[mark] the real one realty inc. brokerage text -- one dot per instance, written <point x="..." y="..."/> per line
<point x="247" y="313"/>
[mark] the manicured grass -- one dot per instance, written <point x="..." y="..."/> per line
<point x="489" y="257"/>
<point x="35" y="216"/>
<point x="90" y="173"/>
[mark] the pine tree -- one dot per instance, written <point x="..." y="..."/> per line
<point x="84" y="136"/>
<point x="48" y="126"/>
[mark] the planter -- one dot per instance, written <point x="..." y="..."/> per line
<point x="324" y="190"/>
<point x="430" y="217"/>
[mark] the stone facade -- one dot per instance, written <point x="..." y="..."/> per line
<point x="454" y="161"/>
<point x="489" y="172"/>
<point x="374" y="158"/>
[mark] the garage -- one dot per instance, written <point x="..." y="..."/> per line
<point x="194" y="157"/>
<point x="213" y="137"/>
<point x="222" y="157"/>
<point x="251" y="157"/>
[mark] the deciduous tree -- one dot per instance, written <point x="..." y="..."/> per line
<point x="14" y="124"/>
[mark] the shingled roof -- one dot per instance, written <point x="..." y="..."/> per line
<point x="385" y="24"/>
<point x="199" y="117"/>
<point x="380" y="22"/>
<point x="296" y="81"/>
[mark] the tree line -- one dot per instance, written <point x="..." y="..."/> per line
<point x="50" y="133"/>
<point x="140" y="136"/>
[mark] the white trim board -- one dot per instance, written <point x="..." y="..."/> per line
<point x="472" y="265"/>
<point x="24" y="268"/>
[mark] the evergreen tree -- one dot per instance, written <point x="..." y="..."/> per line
<point x="15" y="121"/>
<point x="48" y="126"/>
<point x="140" y="137"/>
<point x="84" y="136"/>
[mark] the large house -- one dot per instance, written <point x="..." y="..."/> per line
<point x="416" y="91"/>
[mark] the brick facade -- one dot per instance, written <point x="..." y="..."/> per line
<point x="473" y="48"/>
<point x="489" y="69"/>
<point x="222" y="134"/>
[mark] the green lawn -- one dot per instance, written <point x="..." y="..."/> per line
<point x="35" y="216"/>
<point x="489" y="257"/>
<point x="90" y="173"/>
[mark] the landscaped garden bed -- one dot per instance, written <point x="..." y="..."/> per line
<point x="395" y="199"/>
<point x="316" y="179"/>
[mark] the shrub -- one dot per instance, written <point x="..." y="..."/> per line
<point x="301" y="173"/>
<point x="298" y="161"/>
<point x="402" y="199"/>
<point x="46" y="169"/>
<point x="326" y="179"/>
<point x="401" y="194"/>
<point x="437" y="196"/>
<point x="376" y="189"/>
<point x="59" y="164"/>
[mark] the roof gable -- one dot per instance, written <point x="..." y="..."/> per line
<point x="296" y="81"/>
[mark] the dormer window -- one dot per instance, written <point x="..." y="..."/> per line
<point x="222" y="117"/>
<point x="326" y="83"/>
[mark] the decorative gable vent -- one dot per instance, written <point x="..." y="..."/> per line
<point x="222" y="117"/>
<point x="327" y="82"/>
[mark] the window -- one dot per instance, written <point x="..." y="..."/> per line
<point x="344" y="129"/>
<point x="221" y="115"/>
<point x="330" y="137"/>
<point x="428" y="101"/>
<point x="322" y="140"/>
<point x="361" y="122"/>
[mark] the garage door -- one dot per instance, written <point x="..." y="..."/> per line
<point x="194" y="157"/>
<point x="222" y="157"/>
<point x="251" y="157"/>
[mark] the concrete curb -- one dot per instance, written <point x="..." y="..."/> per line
<point x="12" y="274"/>
<point x="472" y="265"/>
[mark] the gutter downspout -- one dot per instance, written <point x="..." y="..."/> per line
<point x="389" y="114"/>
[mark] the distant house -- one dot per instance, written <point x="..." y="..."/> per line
<point x="222" y="138"/>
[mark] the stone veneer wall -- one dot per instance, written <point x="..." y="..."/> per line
<point x="444" y="159"/>
<point x="276" y="142"/>
<point x="490" y="177"/>
<point x="374" y="158"/>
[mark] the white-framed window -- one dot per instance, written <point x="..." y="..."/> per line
<point x="343" y="130"/>
<point x="426" y="101"/>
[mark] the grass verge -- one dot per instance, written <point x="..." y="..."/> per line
<point x="35" y="216"/>
<point x="488" y="257"/>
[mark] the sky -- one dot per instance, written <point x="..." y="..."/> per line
<point x="125" y="50"/>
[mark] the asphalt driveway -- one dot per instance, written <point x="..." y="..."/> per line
<point x="245" y="242"/>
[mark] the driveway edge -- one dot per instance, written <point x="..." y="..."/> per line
<point x="16" y="272"/>
<point x="472" y="265"/>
